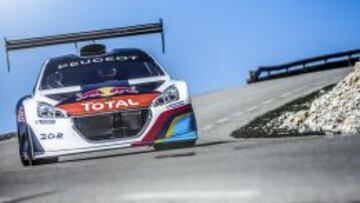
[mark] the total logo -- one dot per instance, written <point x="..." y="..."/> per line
<point x="109" y="105"/>
<point x="106" y="92"/>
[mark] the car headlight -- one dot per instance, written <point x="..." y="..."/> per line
<point x="171" y="94"/>
<point x="47" y="111"/>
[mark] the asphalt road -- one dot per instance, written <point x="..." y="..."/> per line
<point x="218" y="169"/>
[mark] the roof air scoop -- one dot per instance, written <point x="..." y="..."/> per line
<point x="93" y="50"/>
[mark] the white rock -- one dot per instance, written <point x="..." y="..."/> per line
<point x="337" y="111"/>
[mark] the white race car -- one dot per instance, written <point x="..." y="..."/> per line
<point x="101" y="101"/>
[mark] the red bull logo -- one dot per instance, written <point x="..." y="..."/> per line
<point x="106" y="92"/>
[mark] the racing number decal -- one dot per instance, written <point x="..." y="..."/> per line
<point x="51" y="136"/>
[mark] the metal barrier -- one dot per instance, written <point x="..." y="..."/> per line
<point x="324" y="62"/>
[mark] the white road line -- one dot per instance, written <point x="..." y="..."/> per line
<point x="223" y="120"/>
<point x="191" y="195"/>
<point x="237" y="114"/>
<point x="252" y="108"/>
<point x="303" y="88"/>
<point x="220" y="103"/>
<point x="206" y="128"/>
<point x="267" y="102"/>
<point x="3" y="199"/>
<point x="286" y="94"/>
<point x="321" y="83"/>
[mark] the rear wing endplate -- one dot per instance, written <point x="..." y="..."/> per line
<point x="19" y="44"/>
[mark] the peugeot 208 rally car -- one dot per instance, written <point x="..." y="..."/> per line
<point x="100" y="101"/>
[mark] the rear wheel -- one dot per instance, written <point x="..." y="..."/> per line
<point x="175" y="145"/>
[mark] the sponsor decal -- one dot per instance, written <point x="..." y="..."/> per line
<point x="162" y="125"/>
<point x="175" y="105"/>
<point x="106" y="92"/>
<point x="45" y="122"/>
<point x="119" y="104"/>
<point x="102" y="105"/>
<point x="97" y="60"/>
<point x="21" y="115"/>
<point x="51" y="136"/>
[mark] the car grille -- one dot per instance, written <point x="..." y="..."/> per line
<point x="119" y="125"/>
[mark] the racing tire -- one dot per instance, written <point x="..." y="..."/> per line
<point x="23" y="160"/>
<point x="29" y="161"/>
<point x="174" y="145"/>
<point x="43" y="161"/>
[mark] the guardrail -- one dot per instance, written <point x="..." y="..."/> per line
<point x="7" y="136"/>
<point x="324" y="62"/>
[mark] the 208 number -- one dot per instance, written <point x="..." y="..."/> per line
<point x="51" y="136"/>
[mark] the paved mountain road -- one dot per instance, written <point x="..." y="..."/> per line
<point x="219" y="113"/>
<point x="218" y="169"/>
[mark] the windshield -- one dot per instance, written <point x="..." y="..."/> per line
<point x="97" y="70"/>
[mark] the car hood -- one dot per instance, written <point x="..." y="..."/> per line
<point x="66" y="95"/>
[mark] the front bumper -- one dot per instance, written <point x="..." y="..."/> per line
<point x="191" y="136"/>
<point x="165" y="125"/>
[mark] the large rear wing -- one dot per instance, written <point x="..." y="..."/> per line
<point x="19" y="44"/>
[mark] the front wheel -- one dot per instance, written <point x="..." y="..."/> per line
<point x="24" y="160"/>
<point x="174" y="145"/>
<point x="26" y="157"/>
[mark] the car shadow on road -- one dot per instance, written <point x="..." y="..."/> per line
<point x="178" y="152"/>
<point x="31" y="197"/>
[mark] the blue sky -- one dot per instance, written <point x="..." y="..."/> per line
<point x="210" y="44"/>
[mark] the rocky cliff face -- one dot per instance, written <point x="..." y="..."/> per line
<point x="337" y="111"/>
